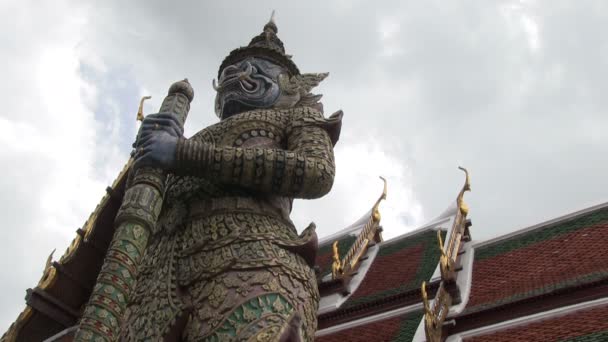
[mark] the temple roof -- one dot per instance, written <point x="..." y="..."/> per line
<point x="400" y="266"/>
<point x="534" y="275"/>
<point x="585" y="325"/>
<point x="536" y="262"/>
<point x="545" y="282"/>
<point x="398" y="328"/>
<point x="388" y="280"/>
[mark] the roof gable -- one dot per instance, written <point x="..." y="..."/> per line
<point x="400" y="266"/>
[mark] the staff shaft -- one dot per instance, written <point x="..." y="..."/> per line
<point x="138" y="214"/>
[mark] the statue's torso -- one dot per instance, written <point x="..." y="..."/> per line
<point x="203" y="197"/>
<point x="222" y="244"/>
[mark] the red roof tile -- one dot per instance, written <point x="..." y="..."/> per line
<point x="391" y="271"/>
<point x="573" y="257"/>
<point x="400" y="328"/>
<point x="400" y="266"/>
<point x="584" y="325"/>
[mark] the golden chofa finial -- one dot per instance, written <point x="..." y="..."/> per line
<point x="467" y="183"/>
<point x="375" y="210"/>
<point x="49" y="274"/>
<point x="140" y="111"/>
<point x="464" y="208"/>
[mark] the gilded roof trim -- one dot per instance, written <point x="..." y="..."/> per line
<point x="436" y="312"/>
<point x="369" y="234"/>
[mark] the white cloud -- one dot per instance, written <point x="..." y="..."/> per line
<point x="531" y="28"/>
<point x="356" y="188"/>
<point x="49" y="140"/>
<point x="520" y="19"/>
<point x="388" y="28"/>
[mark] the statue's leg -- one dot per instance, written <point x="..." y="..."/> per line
<point x="154" y="305"/>
<point x="267" y="304"/>
<point x="240" y="284"/>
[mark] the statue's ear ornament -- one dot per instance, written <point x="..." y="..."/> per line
<point x="309" y="81"/>
<point x="305" y="84"/>
<point x="299" y="87"/>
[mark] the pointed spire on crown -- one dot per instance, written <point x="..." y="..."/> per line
<point x="266" y="45"/>
<point x="271" y="26"/>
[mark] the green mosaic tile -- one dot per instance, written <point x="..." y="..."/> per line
<point x="600" y="336"/>
<point x="541" y="234"/>
<point x="344" y="245"/>
<point x="408" y="327"/>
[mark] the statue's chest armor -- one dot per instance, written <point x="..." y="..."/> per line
<point x="260" y="128"/>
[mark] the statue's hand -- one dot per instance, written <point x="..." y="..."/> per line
<point x="157" y="141"/>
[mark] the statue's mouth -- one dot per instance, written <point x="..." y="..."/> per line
<point x="245" y="86"/>
<point x="231" y="108"/>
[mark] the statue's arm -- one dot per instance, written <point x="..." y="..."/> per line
<point x="305" y="169"/>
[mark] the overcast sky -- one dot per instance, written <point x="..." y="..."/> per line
<point x="516" y="91"/>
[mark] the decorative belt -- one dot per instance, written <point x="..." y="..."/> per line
<point x="211" y="206"/>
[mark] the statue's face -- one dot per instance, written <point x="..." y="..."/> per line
<point x="249" y="84"/>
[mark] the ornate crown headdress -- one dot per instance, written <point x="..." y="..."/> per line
<point x="266" y="45"/>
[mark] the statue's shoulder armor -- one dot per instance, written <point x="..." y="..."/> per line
<point x="307" y="116"/>
<point x="262" y="127"/>
<point x="267" y="127"/>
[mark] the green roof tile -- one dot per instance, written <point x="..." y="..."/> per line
<point x="600" y="336"/>
<point x="324" y="259"/>
<point x="409" y="325"/>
